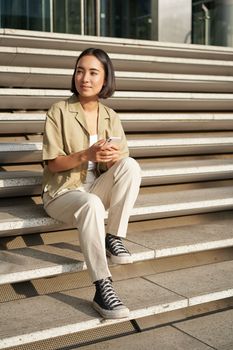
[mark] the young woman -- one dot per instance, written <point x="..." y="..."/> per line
<point x="86" y="174"/>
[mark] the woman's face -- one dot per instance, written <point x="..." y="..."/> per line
<point x="90" y="77"/>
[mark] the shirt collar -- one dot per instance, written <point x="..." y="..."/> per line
<point x="74" y="106"/>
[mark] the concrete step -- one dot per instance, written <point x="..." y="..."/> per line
<point x="35" y="99"/>
<point x="33" y="122"/>
<point x="154" y="172"/>
<point x="25" y="216"/>
<point x="52" y="78"/>
<point x="157" y="172"/>
<point x="41" y="261"/>
<point x="60" y="41"/>
<point x="140" y="145"/>
<point x="20" y="183"/>
<point x="214" y="330"/>
<point x="144" y="145"/>
<point x="23" y="152"/>
<point x="34" y="57"/>
<point x="181" y="121"/>
<point x="206" y="332"/>
<point x="22" y="123"/>
<point x="70" y="311"/>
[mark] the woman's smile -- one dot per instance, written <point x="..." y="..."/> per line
<point x="85" y="87"/>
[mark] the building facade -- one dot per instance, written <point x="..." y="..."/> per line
<point x="207" y="22"/>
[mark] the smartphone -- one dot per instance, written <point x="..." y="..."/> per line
<point x="113" y="139"/>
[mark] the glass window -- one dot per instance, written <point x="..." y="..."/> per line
<point x="67" y="16"/>
<point x="127" y="18"/>
<point x="90" y="15"/>
<point x="202" y="13"/>
<point x="25" y="14"/>
<point x="212" y="22"/>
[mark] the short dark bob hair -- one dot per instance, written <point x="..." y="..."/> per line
<point x="109" y="86"/>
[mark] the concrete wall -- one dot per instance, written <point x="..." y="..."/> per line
<point x="174" y="20"/>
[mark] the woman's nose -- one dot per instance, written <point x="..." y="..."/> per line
<point x="86" y="76"/>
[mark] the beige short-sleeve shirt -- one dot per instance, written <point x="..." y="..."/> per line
<point x="65" y="133"/>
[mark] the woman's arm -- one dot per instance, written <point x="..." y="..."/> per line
<point x="63" y="163"/>
<point x="96" y="153"/>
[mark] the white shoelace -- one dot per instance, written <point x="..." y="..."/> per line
<point x="115" y="246"/>
<point x="109" y="295"/>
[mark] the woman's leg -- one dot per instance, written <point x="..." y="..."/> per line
<point x="86" y="212"/>
<point x="118" y="190"/>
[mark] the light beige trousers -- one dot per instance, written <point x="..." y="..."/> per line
<point x="115" y="190"/>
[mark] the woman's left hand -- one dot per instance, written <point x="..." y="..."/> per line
<point x="115" y="156"/>
<point x="113" y="151"/>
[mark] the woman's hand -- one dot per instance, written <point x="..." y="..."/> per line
<point x="105" y="153"/>
<point x="98" y="152"/>
<point x="115" y="151"/>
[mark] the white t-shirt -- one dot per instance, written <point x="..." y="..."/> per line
<point x="93" y="139"/>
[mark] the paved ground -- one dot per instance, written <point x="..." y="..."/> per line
<point x="214" y="331"/>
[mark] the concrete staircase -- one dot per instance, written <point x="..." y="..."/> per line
<point x="175" y="103"/>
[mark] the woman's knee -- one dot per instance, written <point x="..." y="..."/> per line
<point x="131" y="166"/>
<point x="92" y="205"/>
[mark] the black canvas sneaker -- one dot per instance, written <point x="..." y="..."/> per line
<point x="106" y="301"/>
<point x="116" y="250"/>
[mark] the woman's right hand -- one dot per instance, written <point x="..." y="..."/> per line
<point x="99" y="152"/>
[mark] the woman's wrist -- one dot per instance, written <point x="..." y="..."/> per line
<point x="83" y="156"/>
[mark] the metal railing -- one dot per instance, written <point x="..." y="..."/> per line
<point x="207" y="23"/>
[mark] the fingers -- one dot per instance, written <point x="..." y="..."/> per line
<point x="107" y="155"/>
<point x="107" y="145"/>
<point x="114" y="147"/>
<point x="102" y="152"/>
<point x="110" y="147"/>
<point x="100" y="142"/>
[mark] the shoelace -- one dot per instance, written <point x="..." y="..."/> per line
<point x="115" y="245"/>
<point x="109" y="295"/>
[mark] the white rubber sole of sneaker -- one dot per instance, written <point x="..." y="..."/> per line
<point x="111" y="314"/>
<point x="121" y="260"/>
